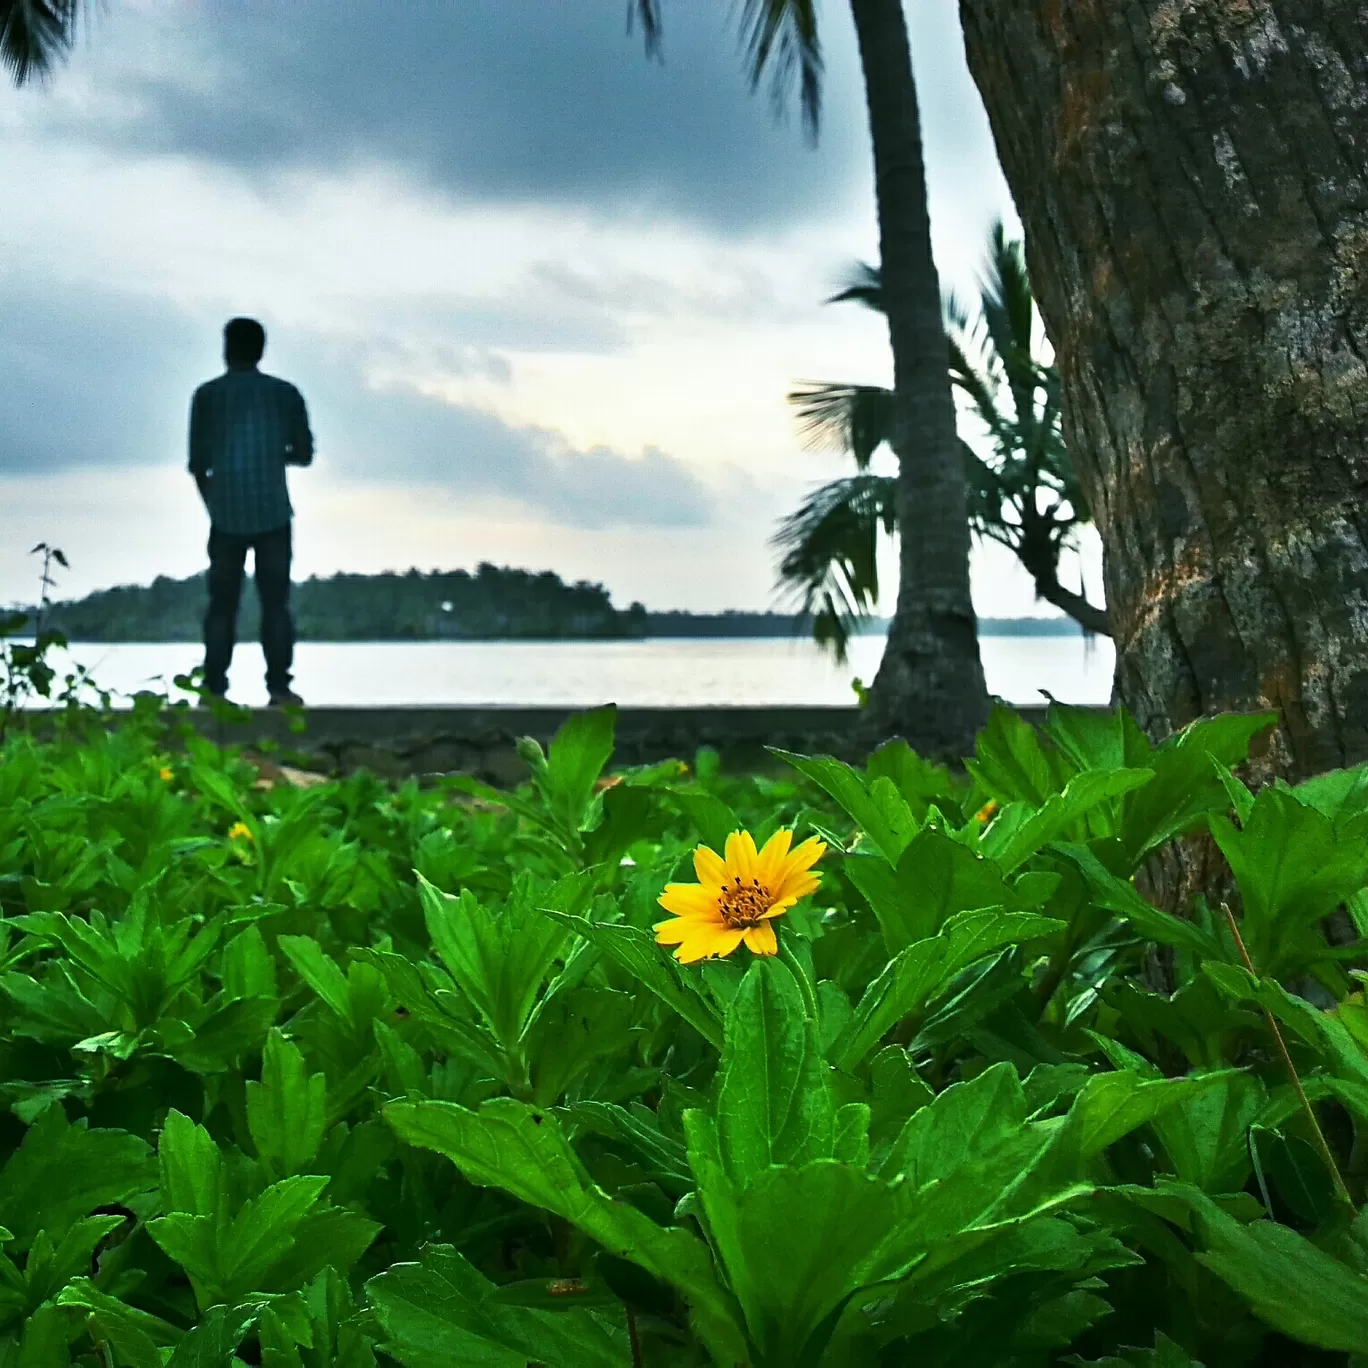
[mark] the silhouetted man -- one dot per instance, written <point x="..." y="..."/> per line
<point x="245" y="428"/>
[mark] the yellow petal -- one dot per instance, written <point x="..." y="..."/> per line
<point x="798" y="886"/>
<point x="672" y="932"/>
<point x="741" y="856"/>
<point x="771" y="860"/>
<point x="688" y="900"/>
<point x="795" y="881"/>
<point x="708" y="943"/>
<point x="779" y="908"/>
<point x="709" y="867"/>
<point x="761" y="939"/>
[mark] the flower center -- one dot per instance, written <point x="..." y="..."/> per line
<point x="743" y="904"/>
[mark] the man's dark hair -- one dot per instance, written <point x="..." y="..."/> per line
<point x="244" y="340"/>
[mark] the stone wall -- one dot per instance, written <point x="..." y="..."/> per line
<point x="398" y="742"/>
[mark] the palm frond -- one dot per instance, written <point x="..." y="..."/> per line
<point x="985" y="495"/>
<point x="1023" y="494"/>
<point x="982" y="391"/>
<point x="851" y="418"/>
<point x="648" y="11"/>
<point x="790" y="28"/>
<point x="36" y="34"/>
<point x="830" y="554"/>
<point x="864" y="285"/>
<point x="1008" y="313"/>
<point x="1007" y="297"/>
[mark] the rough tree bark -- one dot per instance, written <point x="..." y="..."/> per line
<point x="930" y="686"/>
<point x="1191" y="178"/>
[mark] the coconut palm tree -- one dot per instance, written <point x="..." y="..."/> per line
<point x="930" y="687"/>
<point x="36" y="34"/>
<point x="1025" y="496"/>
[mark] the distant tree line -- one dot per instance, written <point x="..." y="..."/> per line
<point x="495" y="603"/>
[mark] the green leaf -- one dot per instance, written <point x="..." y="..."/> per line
<point x="1093" y="740"/>
<point x="327" y="1237"/>
<point x="920" y="782"/>
<point x="61" y="1171"/>
<point x="630" y="814"/>
<point x="319" y="970"/>
<point x="499" y="961"/>
<point x="191" y="1167"/>
<point x="1323" y="1031"/>
<point x="1059" y="813"/>
<point x="896" y="1093"/>
<point x="1293" y="869"/>
<point x="510" y="1145"/>
<point x="876" y="807"/>
<point x="1340" y="794"/>
<point x="228" y="1261"/>
<point x="799" y="1242"/>
<point x="45" y="1340"/>
<point x="1114" y="1104"/>
<point x="1297" y="1173"/>
<point x="575" y="759"/>
<point x="1010" y="762"/>
<point x="1165" y="1354"/>
<point x="1206" y="1138"/>
<point x="248" y="967"/>
<point x="1287" y="1281"/>
<point x="663" y="1157"/>
<point x="286" y="1111"/>
<point x="917" y="973"/>
<point x="442" y="1311"/>
<point x="934" y="878"/>
<point x="1117" y="896"/>
<point x="962" y="1125"/>
<point x="1187" y="783"/>
<point x="576" y="1029"/>
<point x="774" y="1104"/>
<point x="210" y="1343"/>
<point x="653" y="966"/>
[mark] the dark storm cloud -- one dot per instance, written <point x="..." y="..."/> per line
<point x="98" y="379"/>
<point x="533" y="101"/>
<point x="93" y="378"/>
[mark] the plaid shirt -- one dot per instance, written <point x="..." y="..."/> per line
<point x="245" y="428"/>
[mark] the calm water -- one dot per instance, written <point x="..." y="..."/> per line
<point x="659" y="672"/>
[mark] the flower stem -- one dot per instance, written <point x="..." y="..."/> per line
<point x="1321" y="1145"/>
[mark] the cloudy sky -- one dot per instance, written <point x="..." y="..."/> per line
<point x="544" y="296"/>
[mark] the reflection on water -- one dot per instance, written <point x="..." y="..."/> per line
<point x="653" y="673"/>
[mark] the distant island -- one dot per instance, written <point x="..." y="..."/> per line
<point x="494" y="603"/>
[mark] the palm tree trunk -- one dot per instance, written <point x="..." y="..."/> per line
<point x="1192" y="186"/>
<point x="930" y="687"/>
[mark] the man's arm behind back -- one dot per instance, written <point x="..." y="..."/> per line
<point x="299" y="444"/>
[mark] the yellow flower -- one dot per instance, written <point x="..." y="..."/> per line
<point x="986" y="811"/>
<point x="736" y="896"/>
<point x="240" y="829"/>
<point x="166" y="774"/>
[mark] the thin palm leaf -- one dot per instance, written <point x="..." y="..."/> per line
<point x="785" y="30"/>
<point x="853" y="418"/>
<point x="830" y="553"/>
<point x="36" y="34"/>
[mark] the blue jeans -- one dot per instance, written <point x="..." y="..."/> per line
<point x="227" y="561"/>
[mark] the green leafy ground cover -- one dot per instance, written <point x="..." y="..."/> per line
<point x="359" y="1074"/>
